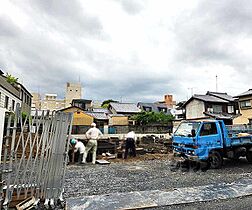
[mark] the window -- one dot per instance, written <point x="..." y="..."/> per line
<point x="217" y="108"/>
<point x="147" y="109"/>
<point x="245" y="104"/>
<point x="208" y="129"/>
<point x="230" y="109"/>
<point x="162" y="109"/>
<point x="13" y="105"/>
<point x="6" y="102"/>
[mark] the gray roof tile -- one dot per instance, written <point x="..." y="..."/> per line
<point x="249" y="92"/>
<point x="98" y="115"/>
<point x="125" y="107"/>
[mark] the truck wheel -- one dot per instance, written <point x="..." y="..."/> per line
<point x="249" y="157"/>
<point x="215" y="160"/>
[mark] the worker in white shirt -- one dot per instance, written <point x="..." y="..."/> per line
<point x="130" y="144"/>
<point x="79" y="147"/>
<point x="93" y="134"/>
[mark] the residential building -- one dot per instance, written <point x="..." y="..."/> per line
<point x="212" y="105"/>
<point x="73" y="91"/>
<point x="126" y="109"/>
<point x="245" y="101"/>
<point x="9" y="95"/>
<point x="26" y="98"/>
<point x="51" y="102"/>
<point x="154" y="107"/>
<point x="82" y="103"/>
<point x="36" y="101"/>
<point x="168" y="100"/>
<point x="82" y="119"/>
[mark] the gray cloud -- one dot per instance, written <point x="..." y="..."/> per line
<point x="133" y="7"/>
<point x="62" y="41"/>
<point x="8" y="28"/>
<point x="210" y="33"/>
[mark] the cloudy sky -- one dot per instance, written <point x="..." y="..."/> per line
<point x="129" y="50"/>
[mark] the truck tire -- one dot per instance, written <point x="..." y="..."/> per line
<point x="249" y="156"/>
<point x="215" y="160"/>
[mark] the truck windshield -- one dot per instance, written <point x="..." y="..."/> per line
<point x="185" y="129"/>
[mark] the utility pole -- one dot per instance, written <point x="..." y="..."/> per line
<point x="216" y="83"/>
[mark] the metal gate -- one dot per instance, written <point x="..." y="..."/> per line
<point x="35" y="157"/>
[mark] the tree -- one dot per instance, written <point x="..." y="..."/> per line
<point x="145" y="118"/>
<point x="11" y="79"/>
<point x="105" y="103"/>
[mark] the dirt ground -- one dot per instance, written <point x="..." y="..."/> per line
<point x="140" y="158"/>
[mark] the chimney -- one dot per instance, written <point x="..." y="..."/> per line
<point x="168" y="100"/>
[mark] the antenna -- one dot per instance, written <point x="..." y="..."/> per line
<point x="216" y="83"/>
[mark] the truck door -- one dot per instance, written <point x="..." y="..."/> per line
<point x="209" y="136"/>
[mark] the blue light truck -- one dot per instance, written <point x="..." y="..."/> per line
<point x="209" y="141"/>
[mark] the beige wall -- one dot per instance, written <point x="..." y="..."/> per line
<point x="122" y="120"/>
<point x="246" y="114"/>
<point x="52" y="105"/>
<point x="195" y="109"/>
<point x="79" y="117"/>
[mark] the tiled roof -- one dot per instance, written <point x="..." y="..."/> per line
<point x="154" y="106"/>
<point x="81" y="101"/>
<point x="249" y="92"/>
<point x="221" y="115"/>
<point x="125" y="107"/>
<point x="116" y="115"/>
<point x="208" y="98"/>
<point x="98" y="115"/>
<point x="106" y="111"/>
<point x="224" y="96"/>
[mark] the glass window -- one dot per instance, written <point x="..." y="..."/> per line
<point x="13" y="105"/>
<point x="208" y="129"/>
<point x="217" y="108"/>
<point x="6" y="102"/>
<point x="230" y="109"/>
<point x="245" y="104"/>
<point x="185" y="128"/>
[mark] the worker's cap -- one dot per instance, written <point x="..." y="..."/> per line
<point x="73" y="141"/>
<point x="93" y="124"/>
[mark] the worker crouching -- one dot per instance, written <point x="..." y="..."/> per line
<point x="93" y="134"/>
<point x="79" y="147"/>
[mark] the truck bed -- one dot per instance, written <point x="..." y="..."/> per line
<point x="242" y="140"/>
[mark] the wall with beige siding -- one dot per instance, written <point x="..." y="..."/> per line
<point x="122" y="120"/>
<point x="79" y="117"/>
<point x="246" y="114"/>
<point x="195" y="109"/>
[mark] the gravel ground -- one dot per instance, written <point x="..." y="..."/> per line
<point x="129" y="176"/>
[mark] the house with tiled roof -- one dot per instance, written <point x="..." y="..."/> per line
<point x="123" y="108"/>
<point x="245" y="107"/>
<point x="82" y="119"/>
<point x="154" y="107"/>
<point x="213" y="105"/>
